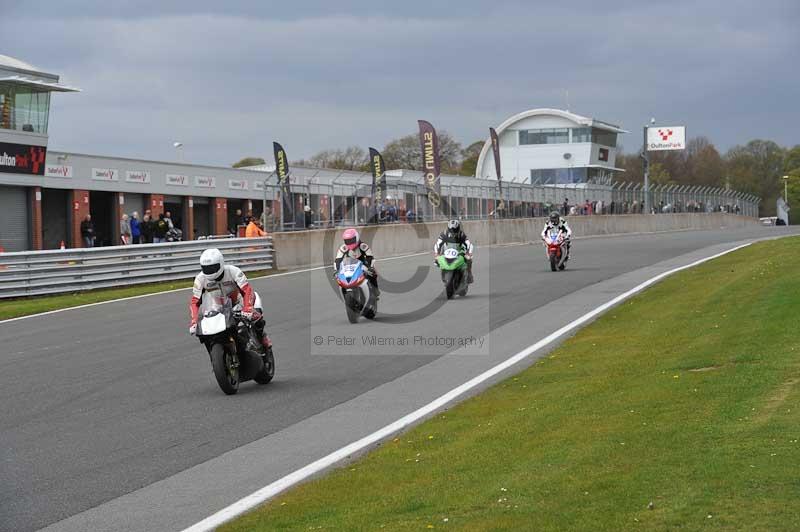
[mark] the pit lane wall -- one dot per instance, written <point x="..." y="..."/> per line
<point x="305" y="248"/>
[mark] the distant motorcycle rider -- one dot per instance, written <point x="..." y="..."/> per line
<point x="456" y="235"/>
<point x="232" y="283"/>
<point x="354" y="248"/>
<point x="556" y="221"/>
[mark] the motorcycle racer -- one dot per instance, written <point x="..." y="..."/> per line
<point x="353" y="247"/>
<point x="233" y="284"/>
<point x="556" y="221"/>
<point x="456" y="235"/>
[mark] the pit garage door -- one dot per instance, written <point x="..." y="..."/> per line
<point x="14" y="222"/>
<point x="134" y="203"/>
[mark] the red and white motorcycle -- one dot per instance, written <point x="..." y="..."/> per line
<point x="556" y="249"/>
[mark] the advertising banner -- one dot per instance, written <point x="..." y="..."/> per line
<point x="666" y="138"/>
<point x="22" y="158"/>
<point x="237" y="184"/>
<point x="282" y="169"/>
<point x="177" y="180"/>
<point x="137" y="176"/>
<point x="205" y="181"/>
<point x="57" y="171"/>
<point x="496" y="155"/>
<point x="431" y="165"/>
<point x="378" y="178"/>
<point x="105" y="174"/>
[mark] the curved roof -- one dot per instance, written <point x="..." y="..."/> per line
<point x="8" y="61"/>
<point x="578" y="119"/>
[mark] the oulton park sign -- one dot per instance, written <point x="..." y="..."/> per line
<point x="666" y="138"/>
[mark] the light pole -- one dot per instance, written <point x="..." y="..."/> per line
<point x="786" y="189"/>
<point x="179" y="148"/>
<point x="646" y="166"/>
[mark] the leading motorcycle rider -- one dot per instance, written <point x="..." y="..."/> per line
<point x="233" y="284"/>
<point x="354" y="248"/>
<point x="456" y="235"/>
<point x="556" y="221"/>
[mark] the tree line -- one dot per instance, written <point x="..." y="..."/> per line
<point x="756" y="167"/>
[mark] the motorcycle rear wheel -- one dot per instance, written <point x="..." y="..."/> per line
<point x="227" y="377"/>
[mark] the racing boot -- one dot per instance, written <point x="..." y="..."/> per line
<point x="470" y="279"/>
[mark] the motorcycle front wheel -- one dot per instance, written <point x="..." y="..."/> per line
<point x="226" y="374"/>
<point x="266" y="374"/>
<point x="449" y="284"/>
<point x="350" y="304"/>
<point x="553" y="262"/>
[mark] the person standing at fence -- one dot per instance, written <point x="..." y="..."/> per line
<point x="125" y="230"/>
<point x="308" y="217"/>
<point x="160" y="229"/>
<point x="146" y="227"/>
<point x="253" y="230"/>
<point x="87" y="232"/>
<point x="136" y="232"/>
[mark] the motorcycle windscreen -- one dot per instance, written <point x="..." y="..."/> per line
<point x="214" y="307"/>
<point x="350" y="268"/>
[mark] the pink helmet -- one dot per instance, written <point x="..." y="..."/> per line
<point x="351" y="239"/>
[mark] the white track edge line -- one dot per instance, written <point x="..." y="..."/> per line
<point x="267" y="492"/>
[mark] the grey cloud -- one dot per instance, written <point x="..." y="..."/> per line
<point x="229" y="81"/>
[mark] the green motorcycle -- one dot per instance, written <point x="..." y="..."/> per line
<point x="454" y="270"/>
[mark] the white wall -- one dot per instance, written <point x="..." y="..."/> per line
<point x="518" y="161"/>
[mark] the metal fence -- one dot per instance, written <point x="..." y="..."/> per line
<point x="339" y="204"/>
<point x="30" y="273"/>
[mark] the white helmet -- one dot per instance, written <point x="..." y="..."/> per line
<point x="212" y="263"/>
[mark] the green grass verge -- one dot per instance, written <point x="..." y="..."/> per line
<point x="14" y="308"/>
<point x="686" y="396"/>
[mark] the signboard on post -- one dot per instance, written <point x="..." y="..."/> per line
<point x="666" y="138"/>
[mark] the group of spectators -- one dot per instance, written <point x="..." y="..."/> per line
<point x="148" y="230"/>
<point x="254" y="227"/>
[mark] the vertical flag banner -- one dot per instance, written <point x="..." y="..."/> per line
<point x="430" y="162"/>
<point x="496" y="153"/>
<point x="378" y="179"/>
<point x="282" y="169"/>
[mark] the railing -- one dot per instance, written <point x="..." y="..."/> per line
<point x="341" y="204"/>
<point x="30" y="273"/>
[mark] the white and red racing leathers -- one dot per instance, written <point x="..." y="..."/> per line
<point x="233" y="284"/>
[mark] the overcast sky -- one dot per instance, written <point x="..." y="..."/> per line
<point x="227" y="78"/>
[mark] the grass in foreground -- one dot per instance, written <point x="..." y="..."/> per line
<point x="14" y="308"/>
<point x="687" y="396"/>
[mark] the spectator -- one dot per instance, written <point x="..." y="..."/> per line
<point x="160" y="229"/>
<point x="411" y="216"/>
<point x="308" y="217"/>
<point x="125" y="230"/>
<point x="253" y="230"/>
<point x="168" y="218"/>
<point x="393" y="212"/>
<point x="87" y="231"/>
<point x="146" y="227"/>
<point x="566" y="206"/>
<point x="136" y="233"/>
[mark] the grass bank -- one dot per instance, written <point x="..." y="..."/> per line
<point x="14" y="308"/>
<point x="687" y="397"/>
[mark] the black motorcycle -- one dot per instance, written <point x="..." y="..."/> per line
<point x="233" y="345"/>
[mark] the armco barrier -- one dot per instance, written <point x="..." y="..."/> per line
<point x="30" y="273"/>
<point x="305" y="248"/>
